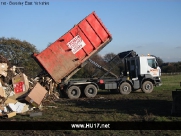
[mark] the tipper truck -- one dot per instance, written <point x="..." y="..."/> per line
<point x="72" y="51"/>
<point x="140" y="72"/>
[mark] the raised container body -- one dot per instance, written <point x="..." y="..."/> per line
<point x="72" y="49"/>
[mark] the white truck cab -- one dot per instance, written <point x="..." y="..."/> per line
<point x="143" y="72"/>
<point x="149" y="65"/>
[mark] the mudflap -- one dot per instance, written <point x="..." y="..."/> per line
<point x="176" y="104"/>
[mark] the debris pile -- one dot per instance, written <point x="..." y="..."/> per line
<point x="22" y="95"/>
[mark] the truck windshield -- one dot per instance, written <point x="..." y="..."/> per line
<point x="152" y="63"/>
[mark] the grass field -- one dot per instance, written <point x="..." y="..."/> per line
<point x="136" y="106"/>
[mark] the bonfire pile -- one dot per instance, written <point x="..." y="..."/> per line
<point x="20" y="95"/>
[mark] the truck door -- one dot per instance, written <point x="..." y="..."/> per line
<point x="133" y="68"/>
<point x="153" y="68"/>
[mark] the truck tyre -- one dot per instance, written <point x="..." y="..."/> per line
<point x="125" y="88"/>
<point x="73" y="92"/>
<point x="90" y="91"/>
<point x="147" y="87"/>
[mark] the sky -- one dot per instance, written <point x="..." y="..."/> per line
<point x="145" y="26"/>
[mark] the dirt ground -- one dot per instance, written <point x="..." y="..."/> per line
<point x="135" y="107"/>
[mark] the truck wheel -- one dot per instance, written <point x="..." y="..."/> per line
<point x="90" y="91"/>
<point x="73" y="92"/>
<point x="125" y="88"/>
<point x="147" y="87"/>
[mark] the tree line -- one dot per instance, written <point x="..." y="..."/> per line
<point x="19" y="53"/>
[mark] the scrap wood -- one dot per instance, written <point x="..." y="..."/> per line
<point x="7" y="112"/>
<point x="8" y="115"/>
<point x="2" y="100"/>
<point x="9" y="90"/>
<point x="50" y="99"/>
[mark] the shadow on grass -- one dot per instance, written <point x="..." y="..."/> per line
<point x="126" y="106"/>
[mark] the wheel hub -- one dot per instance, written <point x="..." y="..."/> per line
<point x="73" y="92"/>
<point x="125" y="88"/>
<point x="148" y="87"/>
<point x="90" y="90"/>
